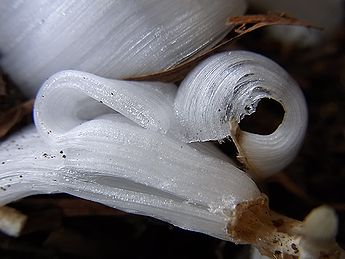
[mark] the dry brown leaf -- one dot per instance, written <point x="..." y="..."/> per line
<point x="13" y="116"/>
<point x="243" y="25"/>
<point x="248" y="23"/>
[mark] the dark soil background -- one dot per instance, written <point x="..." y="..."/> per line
<point x="61" y="226"/>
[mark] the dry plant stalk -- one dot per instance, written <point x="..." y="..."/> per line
<point x="278" y="236"/>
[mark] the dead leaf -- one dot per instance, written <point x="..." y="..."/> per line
<point x="256" y="21"/>
<point x="13" y="116"/>
<point x="243" y="25"/>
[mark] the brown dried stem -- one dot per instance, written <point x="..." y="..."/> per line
<point x="275" y="235"/>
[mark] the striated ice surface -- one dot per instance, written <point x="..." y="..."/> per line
<point x="228" y="86"/>
<point x="110" y="38"/>
<point x="119" y="143"/>
<point x="137" y="146"/>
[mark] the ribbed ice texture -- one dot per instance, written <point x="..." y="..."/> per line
<point x="70" y="98"/>
<point x="27" y="166"/>
<point x="110" y="38"/>
<point x="120" y="142"/>
<point x="228" y="86"/>
<point x="120" y="152"/>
